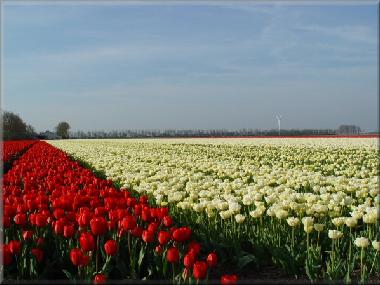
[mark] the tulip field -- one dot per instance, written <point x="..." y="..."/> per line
<point x="189" y="211"/>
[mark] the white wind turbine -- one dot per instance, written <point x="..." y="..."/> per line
<point x="279" y="117"/>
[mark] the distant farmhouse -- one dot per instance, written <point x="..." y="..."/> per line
<point x="48" y="135"/>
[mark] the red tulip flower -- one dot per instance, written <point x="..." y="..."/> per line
<point x="167" y="221"/>
<point x="172" y="255"/>
<point x="15" y="247"/>
<point x="182" y="234"/>
<point x="143" y="199"/>
<point x="27" y="235"/>
<point x="20" y="219"/>
<point x="7" y="221"/>
<point x="128" y="223"/>
<point x="68" y="231"/>
<point x="41" y="220"/>
<point x="38" y="253"/>
<point x="58" y="226"/>
<point x="76" y="256"/>
<point x="212" y="260"/>
<point x="164" y="237"/>
<point x="40" y="242"/>
<point x="58" y="213"/>
<point x="145" y="214"/>
<point x="98" y="226"/>
<point x="7" y="255"/>
<point x="87" y="242"/>
<point x="100" y="279"/>
<point x="152" y="227"/>
<point x="195" y="248"/>
<point x="84" y="219"/>
<point x="158" y="249"/>
<point x="189" y="260"/>
<point x="85" y="260"/>
<point x="163" y="212"/>
<point x="110" y="247"/>
<point x="200" y="270"/>
<point x="137" y="231"/>
<point x="228" y="279"/>
<point x="131" y="202"/>
<point x="147" y="236"/>
<point x="137" y="209"/>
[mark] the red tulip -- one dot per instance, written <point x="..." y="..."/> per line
<point x="137" y="231"/>
<point x="84" y="219"/>
<point x="38" y="253"/>
<point x="68" y="231"/>
<point x="163" y="237"/>
<point x="167" y="221"/>
<point x="163" y="212"/>
<point x="111" y="225"/>
<point x="7" y="255"/>
<point x="189" y="260"/>
<point x="158" y="249"/>
<point x="58" y="213"/>
<point x="41" y="220"/>
<point x="100" y="211"/>
<point x="7" y="221"/>
<point x="100" y="279"/>
<point x="195" y="248"/>
<point x="40" y="242"/>
<point x="147" y="236"/>
<point x="200" y="270"/>
<point x="58" y="226"/>
<point x="143" y="199"/>
<point x="27" y="235"/>
<point x="228" y="279"/>
<point x="181" y="234"/>
<point x="15" y="247"/>
<point x="212" y="260"/>
<point x="137" y="209"/>
<point x="172" y="255"/>
<point x="128" y="223"/>
<point x="110" y="247"/>
<point x="145" y="214"/>
<point x="20" y="219"/>
<point x="98" y="226"/>
<point x="87" y="242"/>
<point x="76" y="256"/>
<point x="152" y="227"/>
<point x="131" y="202"/>
<point x="85" y="260"/>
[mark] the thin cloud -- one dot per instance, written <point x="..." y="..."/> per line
<point x="354" y="33"/>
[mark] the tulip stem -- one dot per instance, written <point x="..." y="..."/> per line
<point x="97" y="253"/>
<point x="361" y="265"/>
<point x="173" y="273"/>
<point x="129" y="242"/>
<point x="373" y="263"/>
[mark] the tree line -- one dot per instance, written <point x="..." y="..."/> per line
<point x="14" y="128"/>
<point x="172" y="133"/>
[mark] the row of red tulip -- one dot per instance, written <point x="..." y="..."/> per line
<point x="57" y="212"/>
<point x="12" y="148"/>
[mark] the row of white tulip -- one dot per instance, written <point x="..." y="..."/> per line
<point x="328" y="186"/>
<point x="223" y="178"/>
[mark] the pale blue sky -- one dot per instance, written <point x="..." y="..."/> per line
<point x="129" y="66"/>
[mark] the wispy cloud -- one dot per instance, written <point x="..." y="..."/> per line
<point x="352" y="33"/>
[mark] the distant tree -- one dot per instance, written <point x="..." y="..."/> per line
<point x="15" y="128"/>
<point x="62" y="129"/>
<point x="349" y="130"/>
